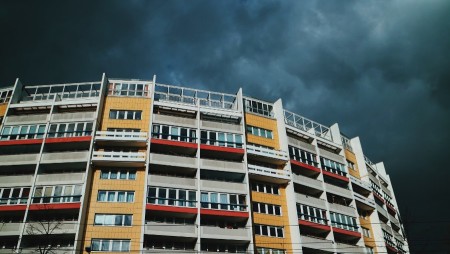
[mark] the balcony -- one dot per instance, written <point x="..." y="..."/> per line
<point x="221" y="165"/>
<point x="364" y="185"/>
<point x="314" y="224"/>
<point x="239" y="234"/>
<point x="316" y="243"/>
<point x="350" y="211"/>
<point x="221" y="186"/>
<point x="307" y="181"/>
<point x="114" y="159"/>
<point x="363" y="202"/>
<point x="338" y="191"/>
<point x="173" y="161"/>
<point x="311" y="201"/>
<point x="228" y="150"/>
<point x="10" y="229"/>
<point x="307" y="167"/>
<point x="345" y="233"/>
<point x="382" y="211"/>
<point x="190" y="210"/>
<point x="174" y="230"/>
<point x="136" y="139"/>
<point x="267" y="155"/>
<point x="165" y="143"/>
<point x="172" y="182"/>
<point x="269" y="174"/>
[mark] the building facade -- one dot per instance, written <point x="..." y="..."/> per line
<point x="136" y="166"/>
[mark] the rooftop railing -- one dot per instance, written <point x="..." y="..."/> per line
<point x="61" y="91"/>
<point x="305" y="124"/>
<point x="346" y="143"/>
<point x="195" y="97"/>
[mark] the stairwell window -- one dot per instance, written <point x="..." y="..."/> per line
<point x="115" y="245"/>
<point x="116" y="196"/>
<point x="125" y="114"/>
<point x="266" y="188"/>
<point x="267" y="230"/>
<point x="260" y="132"/>
<point x="118" y="174"/>
<point x="266" y="208"/>
<point x="113" y="219"/>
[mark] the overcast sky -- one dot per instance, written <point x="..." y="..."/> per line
<point x="381" y="69"/>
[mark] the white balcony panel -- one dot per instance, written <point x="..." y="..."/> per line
<point x="332" y="156"/>
<point x="26" y="119"/>
<point x="316" y="243"/>
<point x="172" y="182"/>
<point x="59" y="227"/>
<point x="393" y="219"/>
<point x="266" y="152"/>
<point x="217" y="126"/>
<point x="302" y="145"/>
<point x="311" y="201"/>
<point x="65" y="157"/>
<point x="61" y="178"/>
<point x="220" y="186"/>
<point x="307" y="181"/>
<point x="348" y="248"/>
<point x="269" y="172"/>
<point x="168" y="251"/>
<point x="121" y="136"/>
<point x="9" y="229"/>
<point x="174" y="120"/>
<point x="18" y="159"/>
<point x="360" y="183"/>
<point x="173" y="160"/>
<point x="338" y="190"/>
<point x="374" y="179"/>
<point x="240" y="234"/>
<point x="386" y="190"/>
<point x="73" y="116"/>
<point x="165" y="229"/>
<point x="350" y="211"/>
<point x="118" y="156"/>
<point x="385" y="227"/>
<point x="220" y="165"/>
<point x="16" y="180"/>
<point x="364" y="200"/>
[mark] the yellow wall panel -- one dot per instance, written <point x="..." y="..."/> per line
<point x="265" y="123"/>
<point x="352" y="158"/>
<point x="368" y="241"/>
<point x="3" y="107"/>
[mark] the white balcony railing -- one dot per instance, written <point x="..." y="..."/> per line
<point x="262" y="151"/>
<point x="278" y="173"/>
<point x="118" y="156"/>
<point x="121" y="136"/>
<point x="360" y="183"/>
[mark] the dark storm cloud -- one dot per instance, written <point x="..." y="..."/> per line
<point x="378" y="68"/>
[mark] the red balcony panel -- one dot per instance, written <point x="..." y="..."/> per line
<point x="174" y="143"/>
<point x="20" y="142"/>
<point x="391" y="249"/>
<point x="222" y="149"/>
<point x="13" y="207"/>
<point x="54" y="206"/>
<point x="346" y="232"/>
<point x="336" y="176"/>
<point x="224" y="213"/>
<point x="173" y="209"/>
<point x="314" y="225"/>
<point x="378" y="197"/>
<point x="68" y="139"/>
<point x="391" y="209"/>
<point x="305" y="166"/>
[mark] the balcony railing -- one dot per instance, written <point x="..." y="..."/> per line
<point x="14" y="201"/>
<point x="174" y="137"/>
<point x="56" y="199"/>
<point x="121" y="136"/>
<point x="263" y="151"/>
<point x="224" y="206"/>
<point x="364" y="200"/>
<point x="278" y="173"/>
<point x="314" y="219"/>
<point x="360" y="183"/>
<point x="171" y="202"/>
<point x="215" y="142"/>
<point x="119" y="156"/>
<point x="304" y="124"/>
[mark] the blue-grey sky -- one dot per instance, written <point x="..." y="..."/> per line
<point x="381" y="69"/>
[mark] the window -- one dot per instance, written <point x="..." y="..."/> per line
<point x="269" y="231"/>
<point x="333" y="166"/>
<point x="343" y="221"/>
<point x="174" y="133"/>
<point x="13" y="196"/>
<point x="269" y="251"/>
<point x="113" y="219"/>
<point x="388" y="238"/>
<point x="173" y="197"/>
<point x="57" y="194"/>
<point x="303" y="156"/>
<point x="119" y="174"/>
<point x="23" y="132"/>
<point x="369" y="250"/>
<point x="266" y="188"/>
<point x="258" y="107"/>
<point x="5" y="95"/>
<point x="260" y="132"/>
<point x="116" y="196"/>
<point x="312" y="214"/>
<point x="365" y="231"/>
<point x="125" y="114"/>
<point x="128" y="89"/>
<point x="110" y="245"/>
<point x="223" y="201"/>
<point x="351" y="165"/>
<point x="266" y="208"/>
<point x="70" y="129"/>
<point x="221" y="139"/>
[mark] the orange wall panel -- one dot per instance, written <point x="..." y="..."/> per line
<point x="265" y="123"/>
<point x="352" y="158"/>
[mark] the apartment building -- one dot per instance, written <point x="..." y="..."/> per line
<point x="137" y="166"/>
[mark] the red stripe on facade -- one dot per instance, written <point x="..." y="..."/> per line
<point x="20" y="142"/>
<point x="174" y="143"/>
<point x="61" y="206"/>
<point x="391" y="209"/>
<point x="222" y="149"/>
<point x="339" y="177"/>
<point x="346" y="232"/>
<point x="68" y="139"/>
<point x="174" y="209"/>
<point x="313" y="225"/>
<point x="224" y="213"/>
<point x="13" y="207"/>
<point x="378" y="197"/>
<point x="391" y="249"/>
<point x="305" y="166"/>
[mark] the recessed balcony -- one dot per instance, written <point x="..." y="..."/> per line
<point x="130" y="159"/>
<point x="333" y="189"/>
<point x="136" y="139"/>
<point x="316" y="243"/>
<point x="337" y="208"/>
<point x="363" y="202"/>
<point x="271" y="175"/>
<point x="175" y="145"/>
<point x="311" y="201"/>
<point x="306" y="167"/>
<point x="267" y="155"/>
<point x="307" y="181"/>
